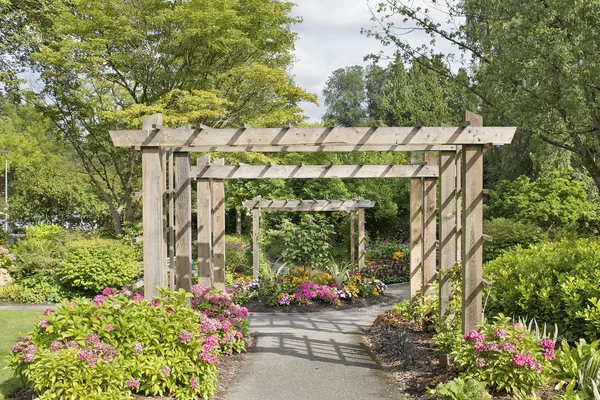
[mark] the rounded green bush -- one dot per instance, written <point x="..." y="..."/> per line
<point x="237" y="255"/>
<point x="92" y="265"/>
<point x="555" y="282"/>
<point x="508" y="233"/>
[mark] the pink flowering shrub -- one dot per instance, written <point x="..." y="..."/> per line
<point x="119" y="344"/>
<point x="506" y="357"/>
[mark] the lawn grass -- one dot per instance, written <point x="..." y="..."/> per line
<point x="14" y="324"/>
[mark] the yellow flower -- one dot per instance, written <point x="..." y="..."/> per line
<point x="398" y="255"/>
<point x="375" y="292"/>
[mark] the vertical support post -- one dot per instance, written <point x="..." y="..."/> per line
<point x="352" y="238"/>
<point x="472" y="228"/>
<point x="448" y="210"/>
<point x="171" y="217"/>
<point x="459" y="203"/>
<point x="416" y="229"/>
<point x="152" y="212"/>
<point x="218" y="207"/>
<point x="255" y="245"/>
<point x="204" y="217"/>
<point x="429" y="228"/>
<point x="183" y="221"/>
<point x="361" y="239"/>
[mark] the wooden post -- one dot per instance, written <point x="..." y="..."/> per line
<point x="152" y="211"/>
<point x="352" y="238"/>
<point x="255" y="244"/>
<point x="183" y="221"/>
<point x="448" y="210"/>
<point x="429" y="228"/>
<point x="459" y="203"/>
<point x="218" y="212"/>
<point x="204" y="217"/>
<point x="361" y="239"/>
<point x="416" y="229"/>
<point x="171" y="218"/>
<point x="472" y="229"/>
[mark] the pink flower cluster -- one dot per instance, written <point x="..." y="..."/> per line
<point x="44" y="324"/>
<point x="19" y="347"/>
<point x="509" y="346"/>
<point x="107" y="292"/>
<point x="96" y="350"/>
<point x="138" y="349"/>
<point x="310" y="290"/>
<point x="548" y="346"/>
<point x="30" y="349"/>
<point x="525" y="360"/>
<point x="166" y="371"/>
<point x="474" y="335"/>
<point x="133" y="383"/>
<point x="48" y="311"/>
<point x="184" y="337"/>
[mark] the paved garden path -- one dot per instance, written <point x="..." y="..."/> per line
<point x="313" y="356"/>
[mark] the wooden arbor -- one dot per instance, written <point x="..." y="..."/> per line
<point x="460" y="159"/>
<point x="256" y="205"/>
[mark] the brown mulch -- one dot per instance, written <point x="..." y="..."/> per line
<point x="255" y="305"/>
<point x="421" y="371"/>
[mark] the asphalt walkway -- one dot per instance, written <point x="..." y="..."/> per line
<point x="313" y="356"/>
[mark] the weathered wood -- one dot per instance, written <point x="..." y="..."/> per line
<point x="487" y="238"/>
<point x="279" y="138"/>
<point x="168" y="269"/>
<point x="255" y="244"/>
<point x="316" y="149"/>
<point x="171" y="217"/>
<point x="472" y="236"/>
<point x="183" y="221"/>
<point x="361" y="239"/>
<point x="429" y="229"/>
<point x="314" y="171"/>
<point x="308" y="205"/>
<point x="152" y="210"/>
<point x="204" y="218"/>
<point x="218" y="207"/>
<point x="352" y="238"/>
<point x="416" y="230"/>
<point x="459" y="204"/>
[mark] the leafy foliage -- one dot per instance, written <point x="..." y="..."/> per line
<point x="509" y="233"/>
<point x="578" y="367"/>
<point x="387" y="260"/>
<point x="462" y="389"/>
<point x="90" y="265"/>
<point x="307" y="243"/>
<point x="557" y="282"/>
<point x="120" y="344"/>
<point x="238" y="254"/>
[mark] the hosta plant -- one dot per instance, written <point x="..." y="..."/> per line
<point x="506" y="357"/>
<point x="120" y="344"/>
<point x="462" y="389"/>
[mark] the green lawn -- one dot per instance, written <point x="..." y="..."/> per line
<point x="13" y="326"/>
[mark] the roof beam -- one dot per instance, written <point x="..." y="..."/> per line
<point x="313" y="171"/>
<point x="308" y="205"/>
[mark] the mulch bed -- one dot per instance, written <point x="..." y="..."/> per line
<point x="258" y="306"/>
<point x="415" y="366"/>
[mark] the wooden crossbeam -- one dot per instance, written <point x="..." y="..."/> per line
<point x="314" y="148"/>
<point x="280" y="138"/>
<point x="313" y="171"/>
<point x="308" y="205"/>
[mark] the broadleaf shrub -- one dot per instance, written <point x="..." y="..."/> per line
<point x="555" y="282"/>
<point x="119" y="344"/>
<point x="307" y="243"/>
<point x="238" y="255"/>
<point x="91" y="265"/>
<point x="508" y="233"/>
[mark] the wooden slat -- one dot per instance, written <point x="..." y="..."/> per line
<point x="171" y="218"/>
<point x="333" y="137"/>
<point x="314" y="171"/>
<point x="152" y="210"/>
<point x="315" y="149"/>
<point x="352" y="238"/>
<point x="416" y="231"/>
<point x="429" y="229"/>
<point x="472" y="237"/>
<point x="183" y="221"/>
<point x="218" y="207"/>
<point x="361" y="239"/>
<point x="204" y="218"/>
<point x="255" y="244"/>
<point x="308" y="205"/>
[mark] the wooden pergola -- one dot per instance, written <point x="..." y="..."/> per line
<point x="458" y="165"/>
<point x="355" y="206"/>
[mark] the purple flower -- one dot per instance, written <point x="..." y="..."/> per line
<point x="548" y="354"/>
<point x="44" y="324"/>
<point x="521" y="360"/>
<point x="184" y="337"/>
<point x="48" y="311"/>
<point x="547" y="343"/>
<point x="138" y="349"/>
<point x="500" y="333"/>
<point x="139" y="296"/>
<point x="480" y="362"/>
<point x="55" y="346"/>
<point x="107" y="292"/>
<point x="166" y="371"/>
<point x="92" y="339"/>
<point x="154" y="303"/>
<point x="109" y="328"/>
<point x="99" y="299"/>
<point x="209" y="358"/>
<point x="71" y="344"/>
<point x="474" y="335"/>
<point x="194" y="382"/>
<point x="133" y="383"/>
<point x="212" y="340"/>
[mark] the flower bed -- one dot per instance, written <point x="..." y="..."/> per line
<point x="388" y="261"/>
<point x="120" y="344"/>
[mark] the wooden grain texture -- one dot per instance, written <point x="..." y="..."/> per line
<point x="448" y="207"/>
<point x="308" y="205"/>
<point x="361" y="239"/>
<point x="472" y="233"/>
<point x="152" y="211"/>
<point x="204" y="219"/>
<point x="279" y="138"/>
<point x="313" y="171"/>
<point x="315" y="148"/>
<point x="255" y="244"/>
<point x="183" y="221"/>
<point x="352" y="238"/>
<point x="218" y="207"/>
<point x="429" y="229"/>
<point x="171" y="218"/>
<point x="416" y="230"/>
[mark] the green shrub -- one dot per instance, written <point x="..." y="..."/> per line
<point x="10" y="293"/>
<point x="555" y="282"/>
<point x="91" y="265"/>
<point x="308" y="242"/>
<point x="577" y="368"/>
<point x="508" y="233"/>
<point x="237" y="252"/>
<point x="459" y="389"/>
<point x="387" y="260"/>
<point x="120" y="344"/>
<point x="46" y="232"/>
